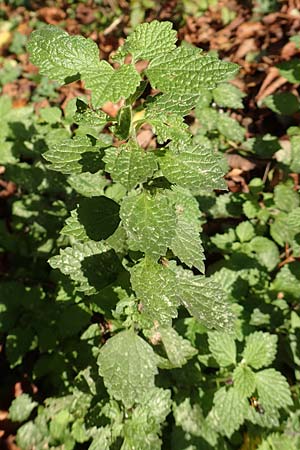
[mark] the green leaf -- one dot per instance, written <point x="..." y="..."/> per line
<point x="245" y="231"/>
<point x="149" y="221"/>
<point x="32" y="435"/>
<point x="195" y="168"/>
<point x="228" y="96"/>
<point x="66" y="58"/>
<point x="266" y="251"/>
<point x="141" y="430"/>
<point x="293" y="220"/>
<point x="186" y="243"/>
<point x="108" y="84"/>
<point x="154" y="286"/>
<point x="59" y="56"/>
<point x="129" y="164"/>
<point x="59" y="423"/>
<point x="128" y="366"/>
<point x="172" y="103"/>
<point x="18" y="342"/>
<point x="290" y="70"/>
<point x="284" y="103"/>
<point x="285" y="198"/>
<point x="201" y="296"/>
<point x="279" y="228"/>
<point x="168" y="127"/>
<point x="51" y="114"/>
<point x="66" y="156"/>
<point x="88" y="116"/>
<point x="244" y="381"/>
<point x="276" y="441"/>
<point x="21" y="408"/>
<point x="287" y="280"/>
<point x="191" y="420"/>
<point x="99" y="217"/>
<point x="260" y="349"/>
<point x="88" y="184"/>
<point x="99" y="225"/>
<point x="185" y="70"/>
<point x="74" y="228"/>
<point x="148" y="41"/>
<point x="178" y="350"/>
<point x="228" y="412"/>
<point x="295" y="154"/>
<point x="204" y="299"/>
<point x="273" y="390"/>
<point x="102" y="439"/>
<point x="222" y="347"/>
<point x="91" y="265"/>
<point x="230" y="128"/>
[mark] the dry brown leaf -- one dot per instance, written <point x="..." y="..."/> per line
<point x="239" y="162"/>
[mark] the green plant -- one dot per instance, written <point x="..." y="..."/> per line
<point x="120" y="330"/>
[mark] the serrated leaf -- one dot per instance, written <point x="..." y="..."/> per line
<point x="190" y="418"/>
<point x="161" y="289"/>
<point x="129" y="164"/>
<point x="21" y="408"/>
<point x="273" y="390"/>
<point x="285" y="198"/>
<point x="293" y="221"/>
<point x="74" y="228"/>
<point x="195" y="168"/>
<point x="169" y="127"/>
<point x="260" y="349"/>
<point x="244" y="381"/>
<point x="154" y="285"/>
<point x="149" y="221"/>
<point x="279" y="229"/>
<point x="59" y="423"/>
<point x="178" y="350"/>
<point x="128" y="366"/>
<point x="230" y="128"/>
<point x="88" y="116"/>
<point x="222" y="347"/>
<point x="266" y="251"/>
<point x="172" y="103"/>
<point x="95" y="218"/>
<point x="228" y="96"/>
<point x="276" y="441"/>
<point x="204" y="299"/>
<point x="186" y="70"/>
<point x="99" y="217"/>
<point x="31" y="435"/>
<point x="229" y="411"/>
<point x="91" y="265"/>
<point x="102" y="439"/>
<point x="66" y="155"/>
<point x="59" y="56"/>
<point x="66" y="58"/>
<point x="88" y="184"/>
<point x="141" y="430"/>
<point x="186" y="243"/>
<point x="287" y="280"/>
<point x="109" y="84"/>
<point x="148" y="41"/>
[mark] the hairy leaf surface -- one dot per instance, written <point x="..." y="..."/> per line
<point x="128" y="366"/>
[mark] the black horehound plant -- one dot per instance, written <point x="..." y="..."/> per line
<point x="131" y="257"/>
